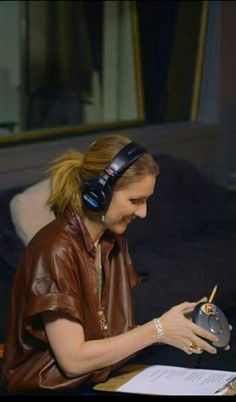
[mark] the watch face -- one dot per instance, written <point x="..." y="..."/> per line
<point x="212" y="318"/>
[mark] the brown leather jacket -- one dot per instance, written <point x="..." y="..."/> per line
<point x="57" y="273"/>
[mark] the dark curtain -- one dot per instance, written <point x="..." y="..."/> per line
<point x="70" y="57"/>
<point x="157" y="20"/>
<point x="73" y="40"/>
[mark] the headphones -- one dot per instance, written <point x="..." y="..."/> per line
<point x="97" y="191"/>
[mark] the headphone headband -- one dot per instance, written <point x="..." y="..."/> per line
<point x="125" y="157"/>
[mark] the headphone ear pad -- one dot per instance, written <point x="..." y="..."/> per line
<point x="96" y="194"/>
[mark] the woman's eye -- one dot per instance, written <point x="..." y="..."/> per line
<point x="137" y="201"/>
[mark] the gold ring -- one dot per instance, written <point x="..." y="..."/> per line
<point x="194" y="346"/>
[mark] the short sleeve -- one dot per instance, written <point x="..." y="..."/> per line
<point x="54" y="287"/>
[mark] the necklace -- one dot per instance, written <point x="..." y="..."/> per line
<point x="101" y="314"/>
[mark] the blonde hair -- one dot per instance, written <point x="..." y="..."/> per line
<point x="72" y="169"/>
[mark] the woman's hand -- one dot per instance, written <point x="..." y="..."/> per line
<point x="228" y="346"/>
<point x="182" y="333"/>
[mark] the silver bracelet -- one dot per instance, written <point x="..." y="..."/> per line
<point x="159" y="329"/>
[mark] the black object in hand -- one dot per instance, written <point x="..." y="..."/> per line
<point x="210" y="317"/>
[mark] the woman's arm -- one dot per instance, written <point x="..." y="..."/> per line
<point x="76" y="356"/>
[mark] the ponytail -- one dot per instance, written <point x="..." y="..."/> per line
<point x="65" y="182"/>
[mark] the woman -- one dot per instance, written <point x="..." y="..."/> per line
<point x="71" y="316"/>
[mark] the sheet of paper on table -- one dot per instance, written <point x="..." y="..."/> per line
<point x="170" y="380"/>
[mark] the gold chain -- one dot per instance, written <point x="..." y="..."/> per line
<point x="101" y="314"/>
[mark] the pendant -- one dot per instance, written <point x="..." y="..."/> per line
<point x="102" y="320"/>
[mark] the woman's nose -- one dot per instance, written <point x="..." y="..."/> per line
<point x="141" y="211"/>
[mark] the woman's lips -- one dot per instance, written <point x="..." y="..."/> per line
<point x="127" y="220"/>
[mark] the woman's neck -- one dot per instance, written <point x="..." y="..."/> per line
<point x="95" y="230"/>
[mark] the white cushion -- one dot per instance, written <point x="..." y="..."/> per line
<point x="29" y="211"/>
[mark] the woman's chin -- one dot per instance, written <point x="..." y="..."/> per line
<point x="120" y="228"/>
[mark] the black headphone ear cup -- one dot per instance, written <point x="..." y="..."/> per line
<point x="97" y="191"/>
<point x="96" y="195"/>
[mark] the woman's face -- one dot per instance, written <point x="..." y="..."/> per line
<point x="128" y="203"/>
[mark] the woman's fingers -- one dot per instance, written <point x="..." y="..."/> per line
<point x="204" y="345"/>
<point x="188" y="307"/>
<point x="202" y="300"/>
<point x="186" y="335"/>
<point x="203" y="333"/>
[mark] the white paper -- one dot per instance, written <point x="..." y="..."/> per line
<point x="171" y="380"/>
